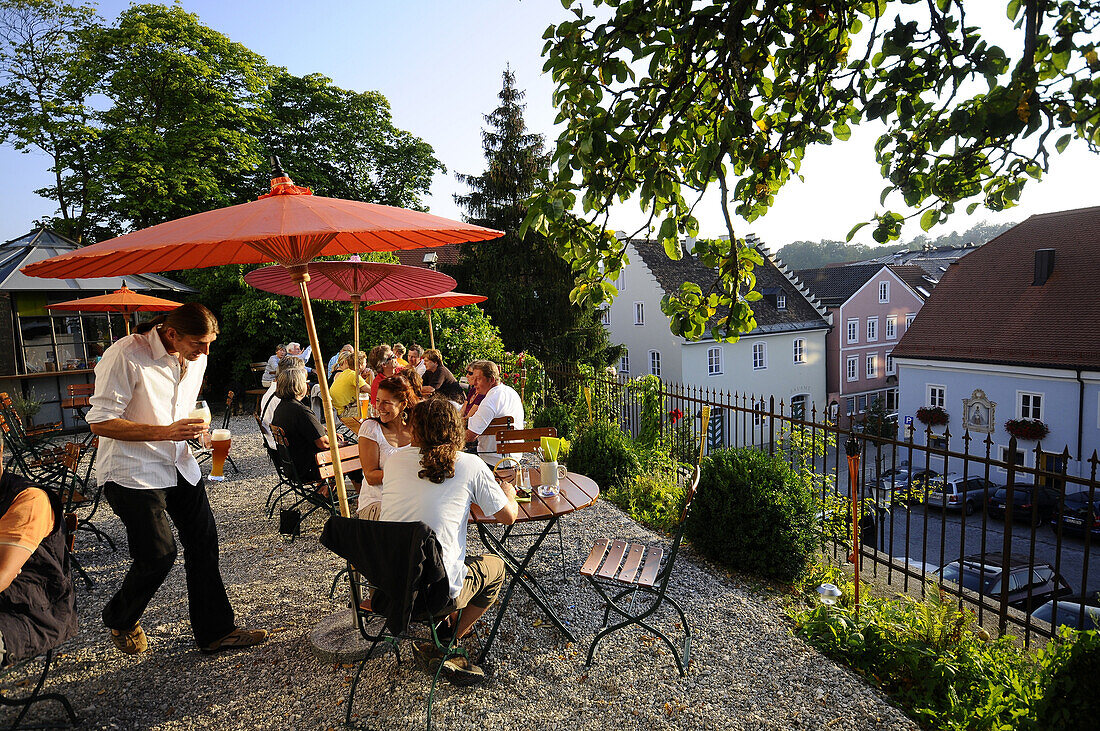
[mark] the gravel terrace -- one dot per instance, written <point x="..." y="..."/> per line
<point x="747" y="671"/>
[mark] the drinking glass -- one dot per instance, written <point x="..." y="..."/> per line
<point x="220" y="440"/>
<point x="201" y="411"/>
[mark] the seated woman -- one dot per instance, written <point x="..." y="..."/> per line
<point x="381" y="436"/>
<point x="433" y="481"/>
<point x="305" y="434"/>
<point x="346" y="387"/>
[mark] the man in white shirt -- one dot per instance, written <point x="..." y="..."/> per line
<point x="146" y="387"/>
<point x="295" y="349"/>
<point x="416" y="359"/>
<point x="499" y="399"/>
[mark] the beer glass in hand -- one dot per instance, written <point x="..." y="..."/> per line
<point x="219" y="446"/>
<point x="201" y="411"/>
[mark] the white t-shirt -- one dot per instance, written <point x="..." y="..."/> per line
<point x="421" y="368"/>
<point x="444" y="507"/>
<point x="372" y="430"/>
<point x="501" y="400"/>
<point x="268" y="403"/>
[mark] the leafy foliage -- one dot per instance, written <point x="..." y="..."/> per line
<point x="653" y="499"/>
<point x="526" y="282"/>
<point x="663" y="100"/>
<point x="1027" y="428"/>
<point x="752" y="512"/>
<point x="603" y="452"/>
<point x="559" y="415"/>
<point x="1069" y="699"/>
<point x="933" y="415"/>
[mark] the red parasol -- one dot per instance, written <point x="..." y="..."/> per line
<point x="289" y="226"/>
<point x="124" y="300"/>
<point x="435" y="302"/>
<point x="353" y="281"/>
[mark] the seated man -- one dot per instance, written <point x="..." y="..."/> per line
<point x="331" y="365"/>
<point x="37" y="611"/>
<point x="433" y="481"/>
<point x="498" y="399"/>
<point x="435" y="373"/>
<point x="416" y="359"/>
<point x="269" y="374"/>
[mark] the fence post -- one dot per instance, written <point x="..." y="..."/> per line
<point x="771" y="424"/>
<point x="1006" y="546"/>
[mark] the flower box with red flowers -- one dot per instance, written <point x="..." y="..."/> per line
<point x="1027" y="429"/>
<point x="933" y="415"/>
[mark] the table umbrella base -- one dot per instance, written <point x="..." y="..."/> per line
<point x="336" y="639"/>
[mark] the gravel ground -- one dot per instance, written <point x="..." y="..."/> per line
<point x="747" y="671"/>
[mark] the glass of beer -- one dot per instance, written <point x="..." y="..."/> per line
<point x="219" y="450"/>
<point x="201" y="411"/>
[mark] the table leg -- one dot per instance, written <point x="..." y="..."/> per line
<point x="518" y="569"/>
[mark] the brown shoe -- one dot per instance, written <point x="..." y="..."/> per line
<point x="132" y="641"/>
<point x="237" y="639"/>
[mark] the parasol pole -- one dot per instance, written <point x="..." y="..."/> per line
<point x="355" y="354"/>
<point x="300" y="274"/>
<point x="126" y="319"/>
<point x="431" y="333"/>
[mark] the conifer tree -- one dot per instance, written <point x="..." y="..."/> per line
<point x="526" y="282"/>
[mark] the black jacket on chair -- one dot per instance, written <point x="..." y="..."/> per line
<point x="402" y="561"/>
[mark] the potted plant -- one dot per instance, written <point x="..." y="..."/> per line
<point x="28" y="406"/>
<point x="1033" y="429"/>
<point x="933" y="415"/>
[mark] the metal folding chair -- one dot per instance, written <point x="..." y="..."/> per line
<point x="314" y="495"/>
<point x="36" y="695"/>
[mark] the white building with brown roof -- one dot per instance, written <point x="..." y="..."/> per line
<point x="784" y="356"/>
<point x="1012" y="331"/>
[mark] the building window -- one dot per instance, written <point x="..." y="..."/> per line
<point x="605" y="315"/>
<point x="853" y="331"/>
<point x="781" y="302"/>
<point x="759" y="415"/>
<point x="883" y="292"/>
<point x="890" y="368"/>
<point x="620" y="283"/>
<point x="799" y="350"/>
<point x="872" y="328"/>
<point x="891" y="399"/>
<point x="1031" y="405"/>
<point x="872" y="365"/>
<point x="909" y="320"/>
<point x="851" y="404"/>
<point x="862" y="403"/>
<point x="639" y="313"/>
<point x="1016" y="458"/>
<point x="891" y="327"/>
<point x="655" y="363"/>
<point x="714" y="361"/>
<point x="937" y="395"/>
<point x="624" y="362"/>
<point x="853" y="368"/>
<point x="798" y="406"/>
<point x="759" y="356"/>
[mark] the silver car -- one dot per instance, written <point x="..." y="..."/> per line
<point x="955" y="492"/>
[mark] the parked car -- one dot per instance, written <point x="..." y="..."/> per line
<point x="1069" y="614"/>
<point x="984" y="574"/>
<point x="1077" y="515"/>
<point x="1029" y="503"/>
<point x="909" y="489"/>
<point x="954" y="491"/>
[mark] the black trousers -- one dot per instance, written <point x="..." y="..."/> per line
<point x="145" y="514"/>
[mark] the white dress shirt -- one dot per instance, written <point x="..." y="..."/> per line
<point x="500" y="400"/>
<point x="138" y="380"/>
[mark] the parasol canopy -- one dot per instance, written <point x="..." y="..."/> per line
<point x="290" y="226"/>
<point x="434" y="302"/>
<point x="124" y="300"/>
<point x="346" y="281"/>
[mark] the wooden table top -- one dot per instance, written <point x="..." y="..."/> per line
<point x="576" y="492"/>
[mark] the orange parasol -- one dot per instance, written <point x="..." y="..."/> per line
<point x="353" y="281"/>
<point x="289" y="226"/>
<point x="124" y="300"/>
<point x="435" y="302"/>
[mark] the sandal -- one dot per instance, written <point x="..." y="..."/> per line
<point x="237" y="639"/>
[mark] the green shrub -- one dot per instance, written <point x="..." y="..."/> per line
<point x="753" y="513"/>
<point x="653" y="499"/>
<point x="559" y="416"/>
<point x="604" y="453"/>
<point x="1069" y="683"/>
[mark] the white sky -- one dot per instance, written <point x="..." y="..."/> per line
<point x="440" y="65"/>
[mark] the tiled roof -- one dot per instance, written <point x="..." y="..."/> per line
<point x="449" y="254"/>
<point x="800" y="313"/>
<point x="986" y="308"/>
<point x="834" y="285"/>
<point x="933" y="260"/>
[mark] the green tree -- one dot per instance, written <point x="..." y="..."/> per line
<point x="526" y="282"/>
<point x="662" y="100"/>
<point x="43" y="93"/>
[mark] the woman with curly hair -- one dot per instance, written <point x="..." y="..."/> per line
<point x="383" y="434"/>
<point x="434" y="481"/>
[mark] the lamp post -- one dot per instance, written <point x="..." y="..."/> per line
<point x="851" y="448"/>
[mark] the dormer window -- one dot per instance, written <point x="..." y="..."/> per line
<point x="781" y="302"/>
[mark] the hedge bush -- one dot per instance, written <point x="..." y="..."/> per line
<point x="753" y="513"/>
<point x="1069" y="697"/>
<point x="603" y="452"/>
<point x="559" y="416"/>
<point x="653" y="499"/>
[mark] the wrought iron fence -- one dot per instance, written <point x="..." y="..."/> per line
<point x="943" y="515"/>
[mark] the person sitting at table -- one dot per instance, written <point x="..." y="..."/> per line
<point x="381" y="435"/>
<point x="295" y="349"/>
<point x="330" y="367"/>
<point x="384" y="364"/>
<point x="433" y="481"/>
<point x="270" y="401"/>
<point x="272" y="366"/>
<point x="416" y="359"/>
<point x="453" y="393"/>
<point x="347" y="385"/>
<point x="304" y="433"/>
<point x="498" y="399"/>
<point x="473" y="398"/>
<point x="399" y="353"/>
<point x="416" y="383"/>
<point x="435" y="373"/>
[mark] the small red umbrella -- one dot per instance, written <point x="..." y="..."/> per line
<point x="124" y="300"/>
<point x="435" y="302"/>
<point x="353" y="281"/>
<point x="289" y="226"/>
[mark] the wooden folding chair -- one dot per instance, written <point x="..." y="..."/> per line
<point x="315" y="495"/>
